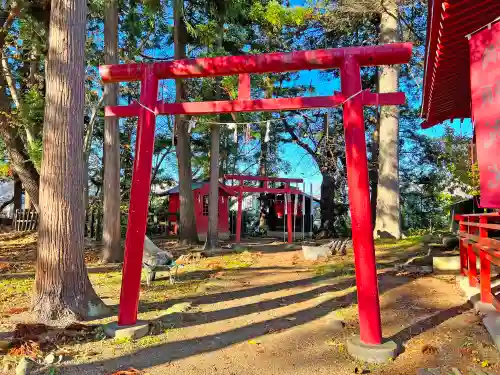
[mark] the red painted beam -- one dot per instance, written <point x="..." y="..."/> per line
<point x="252" y="189"/>
<point x="239" y="177"/>
<point x="244" y="87"/>
<point x="387" y="54"/>
<point x="229" y="106"/>
<point x="257" y="105"/>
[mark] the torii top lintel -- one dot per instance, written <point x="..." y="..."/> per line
<point x="388" y="54"/>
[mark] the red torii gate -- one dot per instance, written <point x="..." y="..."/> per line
<point x="353" y="98"/>
<point x="266" y="189"/>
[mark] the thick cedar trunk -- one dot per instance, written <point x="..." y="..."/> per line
<point x="188" y="234"/>
<point x="112" y="251"/>
<point x="213" y="196"/>
<point x="327" y="205"/>
<point x="388" y="223"/>
<point x="63" y="292"/>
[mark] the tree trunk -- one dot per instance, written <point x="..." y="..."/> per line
<point x="63" y="292"/>
<point x="18" y="193"/>
<point x="213" y="195"/>
<point x="18" y="155"/>
<point x="188" y="234"/>
<point x="388" y="222"/>
<point x="327" y="205"/>
<point x="20" y="160"/>
<point x="89" y="134"/>
<point x="264" y="152"/>
<point x="112" y="251"/>
<point x="27" y="201"/>
<point x="373" y="173"/>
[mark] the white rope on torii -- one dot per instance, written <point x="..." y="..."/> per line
<point x="234" y="125"/>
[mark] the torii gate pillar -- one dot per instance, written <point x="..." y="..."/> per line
<point x="370" y="326"/>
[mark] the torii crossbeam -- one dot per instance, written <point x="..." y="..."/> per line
<point x="352" y="98"/>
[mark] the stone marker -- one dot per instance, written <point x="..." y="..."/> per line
<point x="316" y="252"/>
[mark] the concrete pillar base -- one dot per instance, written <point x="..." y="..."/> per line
<point x="134" y="332"/>
<point x="371" y="353"/>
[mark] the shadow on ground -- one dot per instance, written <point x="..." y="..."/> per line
<point x="164" y="353"/>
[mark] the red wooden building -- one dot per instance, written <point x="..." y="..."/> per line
<point x="200" y="193"/>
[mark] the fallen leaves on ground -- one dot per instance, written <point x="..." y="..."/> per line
<point x="92" y="256"/>
<point x="80" y="327"/>
<point x="23" y="331"/>
<point x="129" y="371"/>
<point x="22" y="348"/>
<point x="17" y="310"/>
<point x="429" y="350"/>
<point x="6" y="267"/>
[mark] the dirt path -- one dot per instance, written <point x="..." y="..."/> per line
<point x="280" y="316"/>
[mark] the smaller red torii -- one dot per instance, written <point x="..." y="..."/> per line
<point x="287" y="189"/>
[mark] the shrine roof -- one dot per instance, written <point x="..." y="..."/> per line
<point x="446" y="92"/>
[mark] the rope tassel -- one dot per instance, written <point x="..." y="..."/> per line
<point x="247" y="133"/>
<point x="267" y="137"/>
<point x="234" y="127"/>
<point x="192" y="125"/>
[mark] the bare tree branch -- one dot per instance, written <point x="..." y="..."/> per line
<point x="297" y="140"/>
<point x="6" y="203"/>
<point x="158" y="165"/>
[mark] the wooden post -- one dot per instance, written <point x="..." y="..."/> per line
<point x="289" y="216"/>
<point x="311" y="213"/>
<point x="485" y="270"/>
<point x="303" y="211"/>
<point x="472" y="265"/>
<point x="27" y="201"/>
<point x="370" y="325"/>
<point x="239" y="214"/>
<point x="139" y="198"/>
<point x="463" y="248"/>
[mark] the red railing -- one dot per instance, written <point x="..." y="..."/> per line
<point x="476" y="239"/>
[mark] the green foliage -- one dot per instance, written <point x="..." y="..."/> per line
<point x="5" y="171"/>
<point x="35" y="151"/>
<point x="33" y="109"/>
<point x="275" y="15"/>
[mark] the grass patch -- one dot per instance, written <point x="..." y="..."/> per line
<point x="390" y="243"/>
<point x="121" y="341"/>
<point x="339" y="269"/>
<point x="237" y="261"/>
<point x="15" y="293"/>
<point x="150" y="340"/>
<point x="113" y="278"/>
